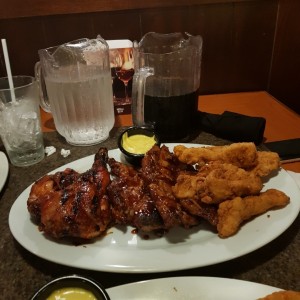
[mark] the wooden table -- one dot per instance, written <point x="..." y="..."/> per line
<point x="282" y="123"/>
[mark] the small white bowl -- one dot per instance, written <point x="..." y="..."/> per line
<point x="71" y="282"/>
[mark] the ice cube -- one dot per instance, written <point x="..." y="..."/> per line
<point x="29" y="115"/>
<point x="28" y="123"/>
<point x="2" y="106"/>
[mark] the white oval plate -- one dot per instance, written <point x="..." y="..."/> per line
<point x="191" y="288"/>
<point x="124" y="252"/>
<point x="3" y="169"/>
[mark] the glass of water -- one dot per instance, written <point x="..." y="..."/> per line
<point x="20" y="123"/>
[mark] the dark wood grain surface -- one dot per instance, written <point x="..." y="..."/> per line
<point x="285" y="75"/>
<point x="19" y="8"/>
<point x="249" y="45"/>
<point x="237" y="49"/>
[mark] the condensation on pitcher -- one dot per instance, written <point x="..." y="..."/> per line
<point x="49" y="150"/>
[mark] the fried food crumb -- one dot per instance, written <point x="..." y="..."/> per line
<point x="49" y="150"/>
<point x="65" y="153"/>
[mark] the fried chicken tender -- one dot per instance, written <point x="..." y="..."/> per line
<point x="242" y="155"/>
<point x="216" y="182"/>
<point x="282" y="295"/>
<point x="266" y="163"/>
<point x="232" y="213"/>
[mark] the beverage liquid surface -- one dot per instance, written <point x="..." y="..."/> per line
<point x="173" y="117"/>
<point x="82" y="106"/>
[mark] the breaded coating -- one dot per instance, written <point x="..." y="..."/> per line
<point x="216" y="182"/>
<point x="266" y="163"/>
<point x="242" y="155"/>
<point x="229" y="177"/>
<point x="233" y="213"/>
<point x="282" y="295"/>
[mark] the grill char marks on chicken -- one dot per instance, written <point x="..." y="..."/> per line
<point x="43" y="188"/>
<point x="130" y="202"/>
<point x="85" y="205"/>
<point x="74" y="205"/>
<point x="160" y="169"/>
<point x="143" y="198"/>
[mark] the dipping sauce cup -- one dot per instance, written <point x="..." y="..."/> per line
<point x="71" y="287"/>
<point x="135" y="141"/>
<point x="20" y="123"/>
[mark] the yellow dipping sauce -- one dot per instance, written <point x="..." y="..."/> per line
<point x="72" y="293"/>
<point x="138" y="143"/>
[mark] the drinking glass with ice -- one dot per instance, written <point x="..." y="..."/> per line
<point x="20" y="121"/>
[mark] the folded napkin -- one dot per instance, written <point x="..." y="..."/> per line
<point x="233" y="126"/>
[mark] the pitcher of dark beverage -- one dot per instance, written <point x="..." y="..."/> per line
<point x="166" y="83"/>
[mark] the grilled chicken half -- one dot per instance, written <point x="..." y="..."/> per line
<point x="70" y="204"/>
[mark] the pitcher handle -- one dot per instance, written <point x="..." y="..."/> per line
<point x="138" y="94"/>
<point x="44" y="102"/>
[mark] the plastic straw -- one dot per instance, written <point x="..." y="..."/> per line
<point x="8" y="70"/>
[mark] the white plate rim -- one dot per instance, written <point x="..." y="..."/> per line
<point x="3" y="170"/>
<point x="117" y="251"/>
<point x="191" y="287"/>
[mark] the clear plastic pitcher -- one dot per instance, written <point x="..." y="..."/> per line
<point x="75" y="84"/>
<point x="166" y="83"/>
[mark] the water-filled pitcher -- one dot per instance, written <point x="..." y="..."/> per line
<point x="76" y="86"/>
<point x="166" y="83"/>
